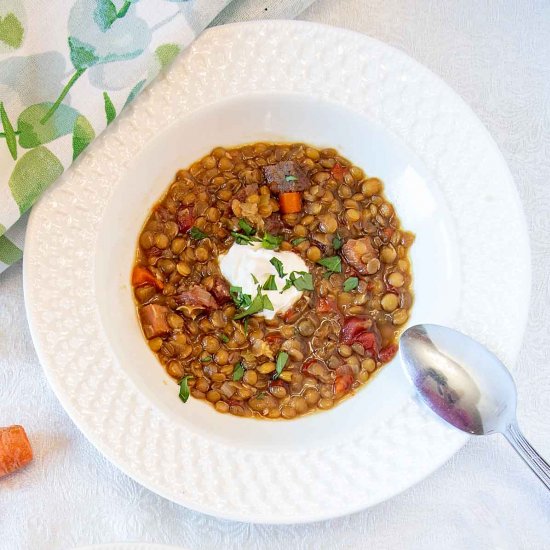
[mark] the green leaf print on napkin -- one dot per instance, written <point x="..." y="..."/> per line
<point x="9" y="132"/>
<point x="134" y="92"/>
<point x="34" y="172"/>
<point x="166" y="54"/>
<point x="82" y="54"/>
<point x="11" y="31"/>
<point x="83" y="134"/>
<point x="106" y="13"/>
<point x="35" y="130"/>
<point x="9" y="253"/>
<point x="110" y="111"/>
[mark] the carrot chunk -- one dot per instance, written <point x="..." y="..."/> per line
<point x="142" y="276"/>
<point x="290" y="203"/>
<point x="15" y="449"/>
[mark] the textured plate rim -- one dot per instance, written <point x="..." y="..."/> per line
<point x="74" y="413"/>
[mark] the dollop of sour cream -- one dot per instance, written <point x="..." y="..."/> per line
<point x="240" y="262"/>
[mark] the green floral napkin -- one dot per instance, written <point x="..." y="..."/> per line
<point x="69" y="67"/>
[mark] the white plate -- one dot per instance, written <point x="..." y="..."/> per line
<point x="274" y="81"/>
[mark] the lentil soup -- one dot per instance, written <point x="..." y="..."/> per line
<point x="273" y="280"/>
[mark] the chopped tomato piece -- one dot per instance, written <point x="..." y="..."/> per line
<point x="361" y="329"/>
<point x="388" y="353"/>
<point x="288" y="314"/>
<point x="343" y="383"/>
<point x="388" y="231"/>
<point x="142" y="276"/>
<point x="274" y="338"/>
<point x="185" y="220"/>
<point x="338" y="172"/>
<point x="327" y="305"/>
<point x="307" y="363"/>
<point x="290" y="203"/>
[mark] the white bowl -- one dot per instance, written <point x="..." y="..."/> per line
<point x="272" y="118"/>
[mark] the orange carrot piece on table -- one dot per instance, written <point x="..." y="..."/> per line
<point x="15" y="449"/>
<point x="290" y="203"/>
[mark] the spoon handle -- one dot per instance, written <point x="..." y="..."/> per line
<point x="529" y="455"/>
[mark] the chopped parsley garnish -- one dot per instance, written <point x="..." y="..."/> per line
<point x="241" y="299"/>
<point x="270" y="283"/>
<point x="246" y="227"/>
<point x="267" y="303"/>
<point x="255" y="306"/>
<point x="197" y="234"/>
<point x="351" y="283"/>
<point x="224" y="338"/>
<point x="282" y="359"/>
<point x="290" y="177"/>
<point x="332" y="263"/>
<point x="206" y="359"/>
<point x="184" y="389"/>
<point x="297" y="241"/>
<point x="271" y="242"/>
<point x="261" y="395"/>
<point x="238" y="372"/>
<point x="259" y="303"/>
<point x="337" y="242"/>
<point x="278" y="265"/>
<point x="302" y="282"/>
<point x="241" y="238"/>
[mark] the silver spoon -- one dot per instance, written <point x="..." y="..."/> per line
<point x="466" y="385"/>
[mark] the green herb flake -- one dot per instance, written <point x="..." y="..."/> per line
<point x="332" y="263"/>
<point x="224" y="338"/>
<point x="351" y="283"/>
<point x="337" y="242"/>
<point x="271" y="242"/>
<point x="304" y="282"/>
<point x="241" y="238"/>
<point x="267" y="303"/>
<point x="270" y="283"/>
<point x="197" y="234"/>
<point x="256" y="305"/>
<point x="240" y="299"/>
<point x="290" y="177"/>
<point x="246" y="227"/>
<point x="289" y="282"/>
<point x="301" y="280"/>
<point x="278" y="265"/>
<point x="206" y="359"/>
<point x="238" y="372"/>
<point x="184" y="389"/>
<point x="254" y="279"/>
<point x="297" y="241"/>
<point x="261" y="395"/>
<point x="282" y="359"/>
<point x="245" y="326"/>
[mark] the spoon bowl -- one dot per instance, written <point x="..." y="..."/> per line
<point x="467" y="386"/>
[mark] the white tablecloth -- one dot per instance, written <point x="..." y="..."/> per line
<point x="496" y="55"/>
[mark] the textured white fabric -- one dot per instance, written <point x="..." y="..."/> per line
<point x="496" y="55"/>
